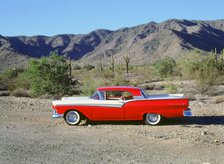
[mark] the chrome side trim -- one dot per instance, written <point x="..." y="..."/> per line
<point x="187" y="113"/>
<point x="96" y="105"/>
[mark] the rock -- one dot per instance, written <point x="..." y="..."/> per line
<point x="216" y="141"/>
<point x="204" y="133"/>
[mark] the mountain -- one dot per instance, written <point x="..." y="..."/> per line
<point x="144" y="43"/>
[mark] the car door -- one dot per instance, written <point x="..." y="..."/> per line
<point x="109" y="106"/>
<point x="108" y="110"/>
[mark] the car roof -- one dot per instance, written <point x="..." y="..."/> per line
<point x="135" y="91"/>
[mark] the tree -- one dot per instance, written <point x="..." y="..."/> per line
<point x="49" y="75"/>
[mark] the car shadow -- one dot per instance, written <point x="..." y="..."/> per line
<point x="195" y="120"/>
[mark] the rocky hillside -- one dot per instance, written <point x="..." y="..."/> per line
<point x="144" y="43"/>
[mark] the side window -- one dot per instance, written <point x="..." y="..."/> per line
<point x="103" y="95"/>
<point x="126" y="96"/>
<point x="116" y="95"/>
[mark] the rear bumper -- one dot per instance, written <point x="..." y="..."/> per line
<point x="187" y="113"/>
<point x="56" y="115"/>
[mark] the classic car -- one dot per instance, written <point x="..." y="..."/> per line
<point x="121" y="103"/>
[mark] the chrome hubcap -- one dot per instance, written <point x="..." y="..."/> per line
<point x="152" y="117"/>
<point x="73" y="117"/>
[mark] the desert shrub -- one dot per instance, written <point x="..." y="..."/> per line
<point x="76" y="67"/>
<point x="9" y="74"/>
<point x="20" y="93"/>
<point x="3" y="85"/>
<point x="192" y="64"/>
<point x="204" y="69"/>
<point x="11" y="79"/>
<point x="89" y="86"/>
<point x="120" y="81"/>
<point x="7" y="79"/>
<point x="49" y="75"/>
<point x="22" y="81"/>
<point x="107" y="74"/>
<point x="88" y="67"/>
<point x="165" y="67"/>
<point x="205" y="80"/>
<point x="133" y="83"/>
<point x="206" y="74"/>
<point x="171" y="88"/>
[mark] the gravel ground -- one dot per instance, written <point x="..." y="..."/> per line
<point x="28" y="134"/>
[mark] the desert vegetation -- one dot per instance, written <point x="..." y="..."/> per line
<point x="51" y="75"/>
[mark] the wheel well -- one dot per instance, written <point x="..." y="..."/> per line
<point x="144" y="115"/>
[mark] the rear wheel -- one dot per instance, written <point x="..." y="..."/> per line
<point x="72" y="117"/>
<point x="152" y="119"/>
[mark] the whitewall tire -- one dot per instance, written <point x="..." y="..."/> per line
<point x="152" y="119"/>
<point x="72" y="117"/>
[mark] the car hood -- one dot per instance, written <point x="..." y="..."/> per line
<point x="74" y="98"/>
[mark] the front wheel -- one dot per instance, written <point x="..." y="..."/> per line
<point x="152" y="119"/>
<point x="72" y="117"/>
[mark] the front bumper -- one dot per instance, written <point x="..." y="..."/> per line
<point x="56" y="115"/>
<point x="187" y="113"/>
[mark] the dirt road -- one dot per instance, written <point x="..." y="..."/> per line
<point x="28" y="134"/>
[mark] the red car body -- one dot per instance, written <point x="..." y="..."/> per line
<point x="121" y="103"/>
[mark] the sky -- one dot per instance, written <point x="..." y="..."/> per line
<point x="52" y="17"/>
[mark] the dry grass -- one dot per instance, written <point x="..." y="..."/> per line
<point x="21" y="93"/>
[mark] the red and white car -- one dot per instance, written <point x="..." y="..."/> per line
<point x="121" y="103"/>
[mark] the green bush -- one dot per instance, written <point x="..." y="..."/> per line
<point x="107" y="74"/>
<point x="171" y="88"/>
<point x="206" y="78"/>
<point x="49" y="75"/>
<point x="3" y="85"/>
<point x="119" y="81"/>
<point x="89" y="86"/>
<point x="165" y="67"/>
<point x="11" y="79"/>
<point x="22" y="81"/>
<point x="9" y="74"/>
<point x="205" y="70"/>
<point x="7" y="79"/>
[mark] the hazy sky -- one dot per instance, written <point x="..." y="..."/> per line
<point x="51" y="17"/>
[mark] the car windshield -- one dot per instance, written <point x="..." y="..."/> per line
<point x="98" y="95"/>
<point x="95" y="96"/>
